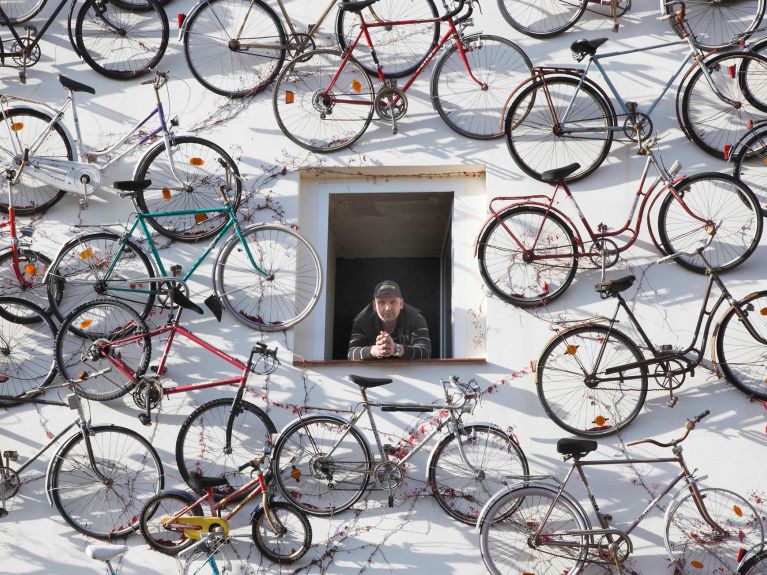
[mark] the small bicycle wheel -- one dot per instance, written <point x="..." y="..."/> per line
<point x="541" y="138"/>
<point x="576" y="391"/>
<point x="156" y="534"/>
<point x="712" y="124"/>
<point x="234" y="48"/>
<point x="507" y="539"/>
<point x="399" y="48"/>
<point x="102" y="348"/>
<point x="467" y="469"/>
<point x="101" y="480"/>
<point x="728" y="209"/>
<point x="217" y="438"/>
<point x="121" y="41"/>
<point x="20" y="11"/>
<point x="22" y="129"/>
<point x="716" y="25"/>
<point x="270" y="280"/>
<point x="698" y="547"/>
<point x="316" y="480"/>
<point x="507" y="265"/>
<point x="23" y="278"/>
<point x="472" y="81"/>
<point x="292" y="542"/>
<point x="321" y="106"/>
<point x="739" y="355"/>
<point x="542" y="18"/>
<point x="756" y="564"/>
<point x="102" y="266"/>
<point x="749" y="165"/>
<point x="26" y="348"/>
<point x="196" y="163"/>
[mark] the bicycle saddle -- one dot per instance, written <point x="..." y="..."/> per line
<point x="611" y="287"/>
<point x="356" y="5"/>
<point x="369" y="381"/>
<point x="583" y="48"/>
<point x="70" y="84"/>
<point x="559" y="174"/>
<point x="105" y="551"/>
<point x="201" y="483"/>
<point x="572" y="446"/>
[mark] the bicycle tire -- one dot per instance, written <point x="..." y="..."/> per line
<point x="20" y="11"/>
<point x="31" y="196"/>
<point x="308" y="478"/>
<point x="716" y="25"/>
<point x="503" y="542"/>
<point x="201" y="441"/>
<point x="26" y="361"/>
<point x="285" y="547"/>
<point x="135" y="475"/>
<point x="588" y="408"/>
<point x="756" y="564"/>
<point x="226" y="70"/>
<point x="468" y="108"/>
<point x="724" y="202"/>
<point x="502" y="264"/>
<point x="400" y="49"/>
<point x="311" y="119"/>
<point x="691" y="541"/>
<point x="202" y="174"/>
<point x="544" y="18"/>
<point x="94" y="375"/>
<point x="496" y="458"/>
<point x="735" y="347"/>
<point x="748" y="165"/>
<point x="281" y="298"/>
<point x="32" y="266"/>
<point x="121" y="41"/>
<point x="164" y="504"/>
<point x="529" y="126"/>
<point x="79" y="273"/>
<point x="711" y="124"/>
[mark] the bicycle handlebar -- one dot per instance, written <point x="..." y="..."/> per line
<point x="688" y="426"/>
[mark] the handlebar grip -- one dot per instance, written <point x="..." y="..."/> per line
<point x="147" y="82"/>
<point x="697" y="418"/>
<point x="251" y="463"/>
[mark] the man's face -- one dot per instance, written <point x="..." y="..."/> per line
<point x="388" y="306"/>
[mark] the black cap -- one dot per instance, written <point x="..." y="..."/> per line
<point x="386" y="287"/>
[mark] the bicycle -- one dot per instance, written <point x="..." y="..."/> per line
<point x="754" y="564"/>
<point x="237" y="49"/>
<point x="749" y="159"/>
<point x="560" y="115"/>
<point x="99" y="479"/>
<point x="324" y="100"/>
<point x="528" y="250"/>
<point x="118" y="39"/>
<point x="43" y="162"/>
<point x="323" y="463"/>
<point x="539" y="527"/>
<point x="592" y="379"/>
<point x="266" y="275"/>
<point x="549" y="18"/>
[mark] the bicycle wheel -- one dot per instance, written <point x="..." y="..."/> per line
<point x="234" y="48"/>
<point x="81" y="272"/>
<point x="157" y="535"/>
<point x="542" y="18"/>
<point x="538" y="140"/>
<point x="506" y="267"/>
<point x="473" y="106"/>
<point x="399" y="48"/>
<point x="717" y="25"/>
<point x="739" y="355"/>
<point x="196" y="163"/>
<point x="506" y="537"/>
<point x="755" y="565"/>
<point x="574" y="388"/>
<point x="21" y="128"/>
<point x="32" y="266"/>
<point x="319" y="118"/>
<point x="287" y="290"/>
<point x="121" y="41"/>
<point x="26" y="358"/>
<point x="284" y="547"/>
<point x="20" y="11"/>
<point x="316" y="481"/>
<point x="492" y="461"/>
<point x="750" y="165"/>
<point x="202" y="445"/>
<point x="712" y="124"/>
<point x="699" y="548"/>
<point x="720" y="200"/>
<point x="105" y="501"/>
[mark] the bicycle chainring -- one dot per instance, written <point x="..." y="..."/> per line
<point x="9" y="482"/>
<point x="641" y="123"/>
<point x="295" y="43"/>
<point x="388" y="475"/>
<point x="612" y="255"/>
<point x="163" y="294"/>
<point x="608" y="552"/>
<point x="155" y="392"/>
<point x="670" y="374"/>
<point x="390" y="103"/>
<point x="22" y="56"/>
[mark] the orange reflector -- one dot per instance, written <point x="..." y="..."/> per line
<point x="30" y="269"/>
<point x="16" y="126"/>
<point x="289" y="97"/>
<point x="166" y="193"/>
<point x="86" y="253"/>
<point x="697" y="564"/>
<point x="199" y="218"/>
<point x="85" y="323"/>
<point x="571" y="349"/>
<point x="600" y="420"/>
<point x="195" y="161"/>
<point x="357" y="86"/>
<point x="763" y="311"/>
<point x="295" y="473"/>
<point x="738" y="511"/>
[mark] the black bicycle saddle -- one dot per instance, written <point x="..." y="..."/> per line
<point x="611" y="287"/>
<point x="369" y="381"/>
<point x="583" y="48"/>
<point x="559" y="174"/>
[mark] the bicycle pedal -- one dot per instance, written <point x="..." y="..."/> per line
<point x="83" y="204"/>
<point x="391" y="501"/>
<point x="11" y="455"/>
<point x="3" y="512"/>
<point x="175" y="270"/>
<point x="155" y="369"/>
<point x="26" y="231"/>
<point x="388" y="449"/>
<point x="672" y="401"/>
<point x="22" y="77"/>
<point x="31" y="31"/>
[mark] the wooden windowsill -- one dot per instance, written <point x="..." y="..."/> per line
<point x="297" y="362"/>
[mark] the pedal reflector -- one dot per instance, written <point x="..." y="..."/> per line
<point x="195" y="161"/>
<point x="166" y="193"/>
<point x="17" y="126"/>
<point x="289" y="97"/>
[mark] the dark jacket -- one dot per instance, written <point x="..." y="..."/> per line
<point x="411" y="332"/>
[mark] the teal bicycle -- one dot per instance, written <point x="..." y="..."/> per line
<point x="267" y="275"/>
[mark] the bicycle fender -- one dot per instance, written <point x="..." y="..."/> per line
<point x="182" y="32"/>
<point x="471" y="424"/>
<point x="758" y="125"/>
<point x="70" y="33"/>
<point x="77" y="239"/>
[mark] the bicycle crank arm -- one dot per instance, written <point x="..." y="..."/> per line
<point x="74" y="177"/>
